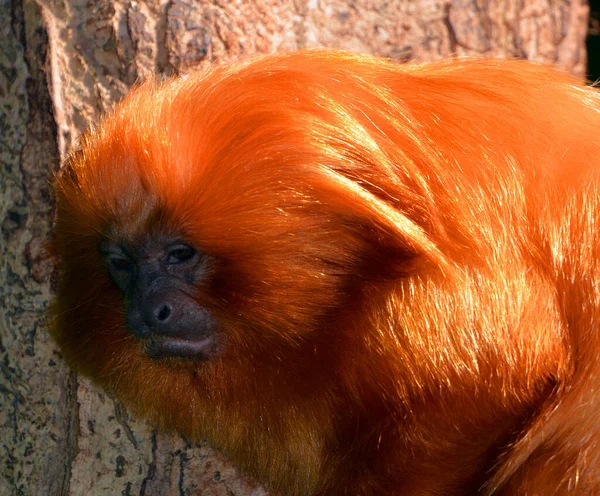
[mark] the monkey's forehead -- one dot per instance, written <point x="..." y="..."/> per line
<point x="166" y="136"/>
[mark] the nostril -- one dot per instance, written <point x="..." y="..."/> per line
<point x="163" y="313"/>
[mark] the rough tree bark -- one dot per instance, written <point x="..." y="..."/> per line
<point x="62" y="63"/>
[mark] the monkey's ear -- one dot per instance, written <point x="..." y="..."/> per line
<point x="391" y="237"/>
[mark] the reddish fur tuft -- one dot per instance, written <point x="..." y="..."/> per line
<point x="405" y="269"/>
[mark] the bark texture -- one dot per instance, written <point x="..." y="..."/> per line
<point x="64" y="62"/>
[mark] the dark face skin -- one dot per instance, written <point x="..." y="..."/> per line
<point x="157" y="279"/>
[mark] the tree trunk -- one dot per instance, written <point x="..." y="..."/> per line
<point x="63" y="63"/>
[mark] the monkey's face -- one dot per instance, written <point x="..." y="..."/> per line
<point x="183" y="287"/>
<point x="193" y="268"/>
<point x="156" y="281"/>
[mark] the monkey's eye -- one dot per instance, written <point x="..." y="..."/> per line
<point x="180" y="253"/>
<point x="120" y="263"/>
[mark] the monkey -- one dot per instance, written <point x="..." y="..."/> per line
<point x="353" y="277"/>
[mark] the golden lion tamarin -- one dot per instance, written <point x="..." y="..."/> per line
<point x="352" y="277"/>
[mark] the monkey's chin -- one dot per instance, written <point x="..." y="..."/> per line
<point x="189" y="349"/>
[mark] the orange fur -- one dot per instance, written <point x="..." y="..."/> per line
<point x="404" y="270"/>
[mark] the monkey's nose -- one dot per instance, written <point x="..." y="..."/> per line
<point x="155" y="314"/>
<point x="149" y="318"/>
<point x="161" y="316"/>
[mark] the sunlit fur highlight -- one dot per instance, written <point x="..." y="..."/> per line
<point x="403" y="265"/>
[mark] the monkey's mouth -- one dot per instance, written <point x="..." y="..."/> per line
<point x="172" y="347"/>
